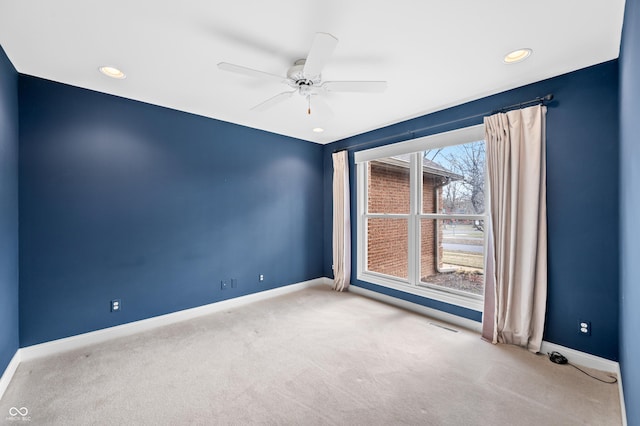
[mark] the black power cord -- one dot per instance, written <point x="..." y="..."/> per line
<point x="558" y="358"/>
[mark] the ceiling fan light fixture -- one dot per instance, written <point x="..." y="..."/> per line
<point x="517" y="55"/>
<point x="112" y="72"/>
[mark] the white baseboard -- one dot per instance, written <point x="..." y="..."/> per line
<point x="414" y="307"/>
<point x="623" y="408"/>
<point x="105" y="334"/>
<point x="581" y="358"/>
<point x="9" y="372"/>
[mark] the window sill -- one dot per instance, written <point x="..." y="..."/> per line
<point x="469" y="302"/>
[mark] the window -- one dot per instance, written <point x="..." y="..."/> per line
<point x="421" y="216"/>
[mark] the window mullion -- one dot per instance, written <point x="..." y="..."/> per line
<point x="415" y="182"/>
<point x="361" y="201"/>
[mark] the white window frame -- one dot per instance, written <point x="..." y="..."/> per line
<point x="415" y="147"/>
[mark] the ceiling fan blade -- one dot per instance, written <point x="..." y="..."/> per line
<point x="273" y="101"/>
<point x="355" y="86"/>
<point x="239" y="69"/>
<point x="321" y="50"/>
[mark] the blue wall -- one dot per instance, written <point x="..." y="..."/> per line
<point x="582" y="199"/>
<point x="8" y="211"/>
<point x="630" y="210"/>
<point x="121" y="199"/>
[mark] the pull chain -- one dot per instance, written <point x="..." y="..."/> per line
<point x="309" y="104"/>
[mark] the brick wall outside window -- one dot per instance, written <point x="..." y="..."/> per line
<point x="387" y="244"/>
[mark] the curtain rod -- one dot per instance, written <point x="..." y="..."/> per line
<point x="539" y="100"/>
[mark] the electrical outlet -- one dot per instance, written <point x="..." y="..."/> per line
<point x="234" y="283"/>
<point x="585" y="327"/>
<point x="261" y="278"/>
<point x="224" y="285"/>
<point x="116" y="305"/>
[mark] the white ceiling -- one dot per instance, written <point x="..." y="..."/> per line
<point x="433" y="54"/>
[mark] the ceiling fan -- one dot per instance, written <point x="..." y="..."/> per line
<point x="304" y="76"/>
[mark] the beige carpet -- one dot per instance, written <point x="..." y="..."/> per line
<point x="310" y="357"/>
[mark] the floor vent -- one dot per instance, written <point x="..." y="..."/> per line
<point x="442" y="326"/>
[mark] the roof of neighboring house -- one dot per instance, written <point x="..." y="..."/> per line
<point x="428" y="166"/>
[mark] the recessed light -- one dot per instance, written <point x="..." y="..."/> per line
<point x="112" y="72"/>
<point x="318" y="129"/>
<point x="517" y="55"/>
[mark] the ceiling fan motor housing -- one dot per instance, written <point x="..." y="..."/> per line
<point x="297" y="77"/>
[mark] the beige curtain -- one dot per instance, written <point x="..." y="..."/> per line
<point x="516" y="291"/>
<point x="341" y="222"/>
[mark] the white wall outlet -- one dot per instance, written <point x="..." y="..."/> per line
<point x="585" y="327"/>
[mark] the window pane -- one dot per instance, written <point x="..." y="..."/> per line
<point x="387" y="246"/>
<point x="453" y="179"/>
<point x="452" y="254"/>
<point x="388" y="185"/>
